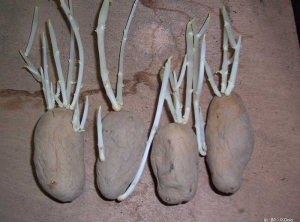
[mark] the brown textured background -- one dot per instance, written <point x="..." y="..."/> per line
<point x="268" y="81"/>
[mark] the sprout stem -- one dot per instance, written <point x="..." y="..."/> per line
<point x="197" y="110"/>
<point x="101" y="147"/>
<point x="121" y="59"/>
<point x="75" y="29"/>
<point x="101" y="49"/>
<point x="58" y="64"/>
<point x="196" y="47"/>
<point x="176" y="97"/>
<point x="190" y="70"/>
<point x="31" y="67"/>
<point x="211" y="79"/>
<point x="71" y="60"/>
<point x="75" y="121"/>
<point x="228" y="28"/>
<point x="224" y="71"/>
<point x="33" y="30"/>
<point x="183" y="70"/>
<point x="84" y="116"/>
<point x="46" y="77"/>
<point x="234" y="68"/>
<point x="168" y="97"/>
<point x="152" y="133"/>
<point x="56" y="96"/>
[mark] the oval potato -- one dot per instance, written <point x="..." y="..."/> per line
<point x="124" y="138"/>
<point x="59" y="155"/>
<point x="230" y="141"/>
<point x="174" y="160"/>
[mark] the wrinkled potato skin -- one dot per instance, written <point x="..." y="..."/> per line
<point x="59" y="155"/>
<point x="230" y="141"/>
<point x="124" y="138"/>
<point x="174" y="160"/>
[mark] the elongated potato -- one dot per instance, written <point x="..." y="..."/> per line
<point x="230" y="141"/>
<point x="124" y="137"/>
<point x="59" y="155"/>
<point x="174" y="160"/>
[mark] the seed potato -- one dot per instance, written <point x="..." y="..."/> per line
<point x="59" y="155"/>
<point x="230" y="141"/>
<point x="174" y="160"/>
<point x="124" y="137"/>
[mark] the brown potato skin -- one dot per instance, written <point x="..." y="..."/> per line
<point x="124" y="138"/>
<point x="230" y="141"/>
<point x="174" y="160"/>
<point x="59" y="155"/>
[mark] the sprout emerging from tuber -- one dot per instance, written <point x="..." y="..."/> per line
<point x="174" y="157"/>
<point x="229" y="133"/>
<point x="121" y="134"/>
<point x="58" y="137"/>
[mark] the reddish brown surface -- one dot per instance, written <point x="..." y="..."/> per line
<point x="268" y="81"/>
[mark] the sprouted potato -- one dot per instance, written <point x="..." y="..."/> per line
<point x="174" y="155"/>
<point x="58" y="137"/>
<point x="121" y="134"/>
<point x="229" y="133"/>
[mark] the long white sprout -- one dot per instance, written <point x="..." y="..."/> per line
<point x="198" y="77"/>
<point x="121" y="59"/>
<point x="42" y="76"/>
<point x="33" y="31"/>
<point x="58" y="63"/>
<point x="75" y="29"/>
<point x="199" y="123"/>
<point x="190" y="70"/>
<point x="71" y="60"/>
<point x="152" y="132"/>
<point x="101" y="148"/>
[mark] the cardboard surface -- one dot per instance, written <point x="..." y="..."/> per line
<point x="268" y="80"/>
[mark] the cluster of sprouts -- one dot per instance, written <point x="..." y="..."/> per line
<point x="234" y="60"/>
<point x="193" y="66"/>
<point x="62" y="96"/>
<point x="116" y="101"/>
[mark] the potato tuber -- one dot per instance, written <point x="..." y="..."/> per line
<point x="124" y="136"/>
<point x="174" y="160"/>
<point x="59" y="155"/>
<point x="230" y="139"/>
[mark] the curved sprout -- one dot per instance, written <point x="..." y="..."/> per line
<point x="33" y="31"/>
<point x="84" y="116"/>
<point x="161" y="99"/>
<point x="121" y="59"/>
